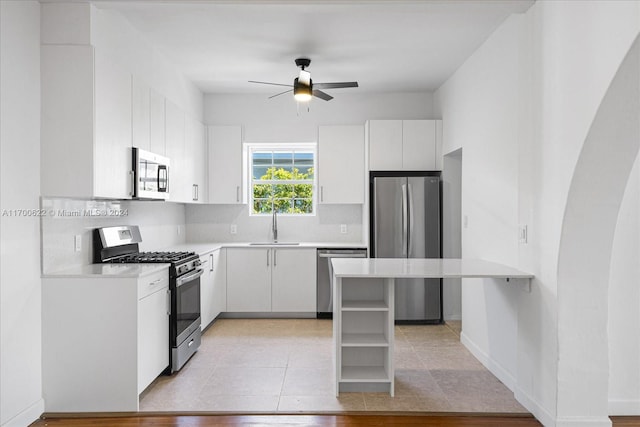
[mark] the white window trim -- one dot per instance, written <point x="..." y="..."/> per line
<point x="249" y="147"/>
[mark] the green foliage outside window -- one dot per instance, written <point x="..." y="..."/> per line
<point x="283" y="191"/>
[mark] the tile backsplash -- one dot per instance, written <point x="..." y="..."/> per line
<point x="161" y="224"/>
<point x="212" y="223"/>
<point x="165" y="224"/>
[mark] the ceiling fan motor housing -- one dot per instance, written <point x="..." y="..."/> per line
<point x="301" y="89"/>
<point x="303" y="62"/>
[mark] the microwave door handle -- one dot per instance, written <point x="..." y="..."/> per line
<point x="162" y="178"/>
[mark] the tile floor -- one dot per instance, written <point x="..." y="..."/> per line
<point x="285" y="365"/>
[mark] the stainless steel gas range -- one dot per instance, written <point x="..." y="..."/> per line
<point x="121" y="245"/>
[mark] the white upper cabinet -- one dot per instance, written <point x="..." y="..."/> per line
<point x="341" y="164"/>
<point x="196" y="158"/>
<point x="86" y="124"/>
<point x="156" y="123"/>
<point x="385" y="145"/>
<point x="404" y="145"/>
<point x="225" y="164"/>
<point x="140" y="114"/>
<point x="179" y="189"/>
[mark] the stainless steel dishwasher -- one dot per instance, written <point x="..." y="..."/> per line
<point x="325" y="273"/>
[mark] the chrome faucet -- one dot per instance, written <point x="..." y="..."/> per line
<point x="274" y="225"/>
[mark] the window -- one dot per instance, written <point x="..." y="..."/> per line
<point x="282" y="178"/>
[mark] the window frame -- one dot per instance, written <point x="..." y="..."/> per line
<point x="289" y="147"/>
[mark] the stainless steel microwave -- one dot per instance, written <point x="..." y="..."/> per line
<point x="150" y="175"/>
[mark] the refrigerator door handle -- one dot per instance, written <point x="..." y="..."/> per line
<point x="410" y="218"/>
<point x="404" y="220"/>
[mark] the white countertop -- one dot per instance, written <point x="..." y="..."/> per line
<point x="108" y="271"/>
<point x="448" y="268"/>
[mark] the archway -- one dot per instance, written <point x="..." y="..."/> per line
<point x="596" y="191"/>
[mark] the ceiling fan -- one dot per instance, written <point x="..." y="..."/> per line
<point x="303" y="87"/>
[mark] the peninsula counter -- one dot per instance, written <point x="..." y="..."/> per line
<point x="363" y="311"/>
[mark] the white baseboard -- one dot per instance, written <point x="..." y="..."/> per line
<point x="495" y="368"/>
<point x="27" y="416"/>
<point x="453" y="317"/>
<point x="533" y="406"/>
<point x="624" y="407"/>
<point x="509" y="380"/>
<point x="583" y="422"/>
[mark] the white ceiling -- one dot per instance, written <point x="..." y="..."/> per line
<point x="387" y="46"/>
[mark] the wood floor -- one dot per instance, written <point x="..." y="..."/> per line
<point x="347" y="420"/>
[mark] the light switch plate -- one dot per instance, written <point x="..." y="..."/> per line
<point x="77" y="242"/>
<point x="523" y="234"/>
<point x="343" y="228"/>
<point x="233" y="229"/>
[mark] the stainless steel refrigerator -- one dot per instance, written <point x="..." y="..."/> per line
<point x="405" y="223"/>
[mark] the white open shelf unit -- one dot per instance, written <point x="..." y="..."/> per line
<point x="363" y="331"/>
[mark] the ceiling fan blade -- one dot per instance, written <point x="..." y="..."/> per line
<point x="320" y="94"/>
<point x="335" y="85"/>
<point x="281" y="93"/>
<point x="267" y="83"/>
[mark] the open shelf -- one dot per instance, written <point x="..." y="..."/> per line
<point x="363" y="374"/>
<point x="362" y="305"/>
<point x="364" y="340"/>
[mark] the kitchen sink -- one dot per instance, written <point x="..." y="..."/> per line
<point x="274" y="243"/>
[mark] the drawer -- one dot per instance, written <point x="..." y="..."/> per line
<point x="152" y="283"/>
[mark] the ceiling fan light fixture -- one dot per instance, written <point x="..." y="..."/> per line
<point x="302" y="92"/>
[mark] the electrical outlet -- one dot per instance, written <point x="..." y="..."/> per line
<point x="77" y="242"/>
<point x="233" y="229"/>
<point x="343" y="228"/>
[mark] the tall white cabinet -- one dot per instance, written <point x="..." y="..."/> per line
<point x="86" y="124"/>
<point x="405" y="145"/>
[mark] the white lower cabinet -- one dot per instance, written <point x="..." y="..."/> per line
<point x="248" y="279"/>
<point x="271" y="279"/>
<point x="153" y="338"/>
<point x="213" y="286"/>
<point x="105" y="338"/>
<point x="293" y="280"/>
<point x="363" y="329"/>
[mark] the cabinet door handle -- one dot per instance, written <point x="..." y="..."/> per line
<point x="155" y="282"/>
<point x="268" y="250"/>
<point x="169" y="302"/>
<point x="275" y="258"/>
<point x="322" y="193"/>
<point x="194" y="192"/>
<point x="132" y="179"/>
<point x="211" y="262"/>
<point x="238" y="193"/>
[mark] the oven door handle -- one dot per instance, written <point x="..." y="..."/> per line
<point x="184" y="279"/>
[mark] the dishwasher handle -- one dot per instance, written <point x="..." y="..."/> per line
<point x="342" y="255"/>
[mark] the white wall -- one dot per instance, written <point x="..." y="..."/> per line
<point x="280" y="120"/>
<point x="521" y="108"/>
<point x="479" y="107"/>
<point x="624" y="304"/>
<point x="20" y="295"/>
